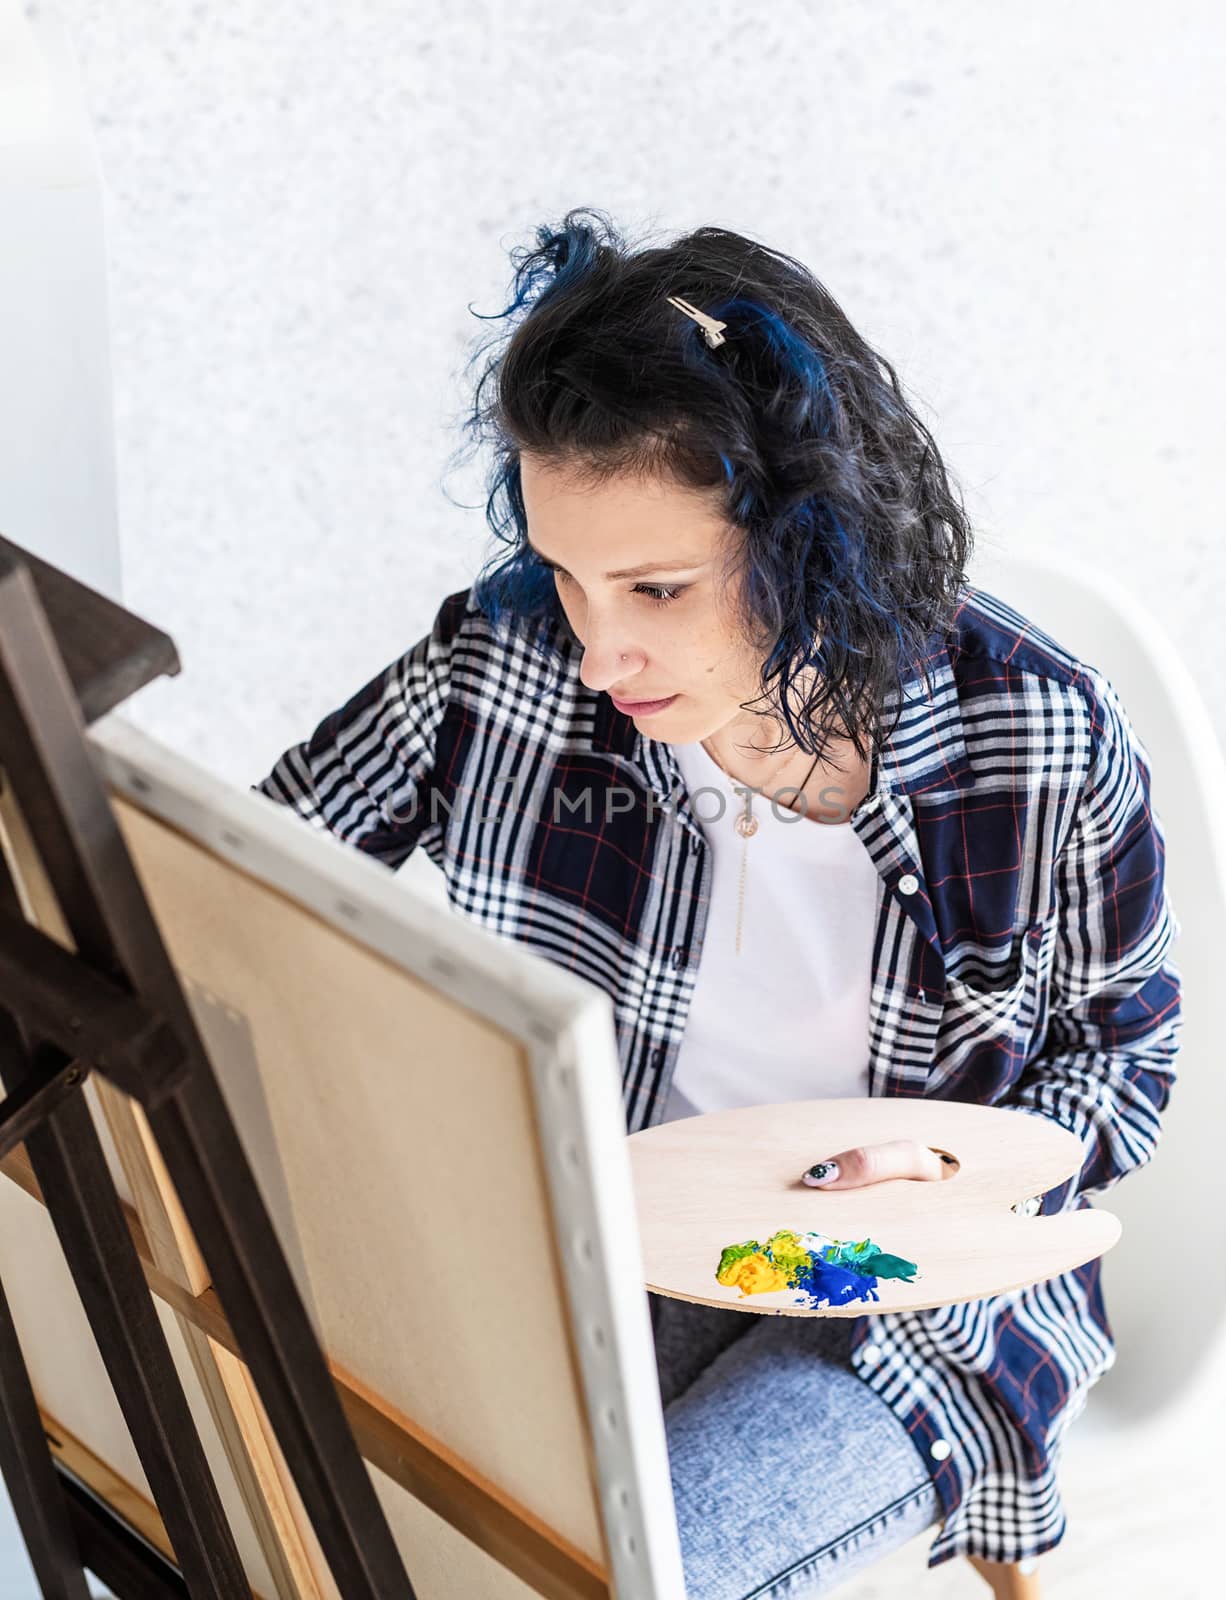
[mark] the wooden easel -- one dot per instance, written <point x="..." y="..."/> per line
<point x="103" y="999"/>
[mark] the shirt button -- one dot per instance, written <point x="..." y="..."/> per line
<point x="908" y="883"/>
<point x="680" y="956"/>
<point x="939" y="1449"/>
<point x="871" y="1355"/>
<point x="1031" y="1207"/>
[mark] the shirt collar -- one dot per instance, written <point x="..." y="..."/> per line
<point x="927" y="749"/>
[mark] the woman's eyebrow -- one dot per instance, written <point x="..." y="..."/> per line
<point x="625" y="572"/>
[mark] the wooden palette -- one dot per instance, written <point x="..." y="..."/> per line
<point x="705" y="1182"/>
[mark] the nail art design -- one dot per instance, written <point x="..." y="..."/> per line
<point x="823" y="1172"/>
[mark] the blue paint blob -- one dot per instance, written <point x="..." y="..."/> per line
<point x="824" y="1283"/>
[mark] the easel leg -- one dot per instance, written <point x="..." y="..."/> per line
<point x="126" y="1564"/>
<point x="71" y="1169"/>
<point x="31" y="1478"/>
<point x="68" y="1161"/>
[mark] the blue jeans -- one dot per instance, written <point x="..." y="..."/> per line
<point x="789" y="1474"/>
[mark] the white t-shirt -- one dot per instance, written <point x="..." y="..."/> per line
<point x="787" y="1018"/>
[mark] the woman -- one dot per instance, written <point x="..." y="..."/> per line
<point x="733" y="593"/>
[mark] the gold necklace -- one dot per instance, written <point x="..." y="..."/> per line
<point x="746" y="825"/>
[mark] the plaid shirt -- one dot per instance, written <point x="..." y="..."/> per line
<point x="1020" y="957"/>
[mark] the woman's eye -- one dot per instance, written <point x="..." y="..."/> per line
<point x="660" y="596"/>
<point x="656" y="593"/>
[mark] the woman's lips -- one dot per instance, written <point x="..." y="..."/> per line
<point x="642" y="708"/>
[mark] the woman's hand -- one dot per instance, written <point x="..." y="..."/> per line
<point x="872" y="1163"/>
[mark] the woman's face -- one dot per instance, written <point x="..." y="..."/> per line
<point x="663" y="631"/>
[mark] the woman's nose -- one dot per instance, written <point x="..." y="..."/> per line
<point x="607" y="662"/>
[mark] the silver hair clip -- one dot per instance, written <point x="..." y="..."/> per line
<point x="712" y="331"/>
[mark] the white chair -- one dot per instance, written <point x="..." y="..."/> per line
<point x="1164" y="1283"/>
<point x="1174" y="1209"/>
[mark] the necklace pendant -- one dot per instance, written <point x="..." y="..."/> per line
<point x="746" y="825"/>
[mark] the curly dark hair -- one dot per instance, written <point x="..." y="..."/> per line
<point x="853" y="543"/>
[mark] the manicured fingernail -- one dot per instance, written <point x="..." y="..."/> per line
<point x="823" y="1172"/>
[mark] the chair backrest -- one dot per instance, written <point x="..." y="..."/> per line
<point x="1174" y="1210"/>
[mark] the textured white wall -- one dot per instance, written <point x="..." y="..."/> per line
<point x="1018" y="205"/>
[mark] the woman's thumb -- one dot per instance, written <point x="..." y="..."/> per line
<point x="873" y="1163"/>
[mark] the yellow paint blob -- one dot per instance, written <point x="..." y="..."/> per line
<point x="753" y="1274"/>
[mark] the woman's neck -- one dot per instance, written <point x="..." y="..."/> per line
<point x="831" y="791"/>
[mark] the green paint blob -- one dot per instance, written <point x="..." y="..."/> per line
<point x="736" y="1252"/>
